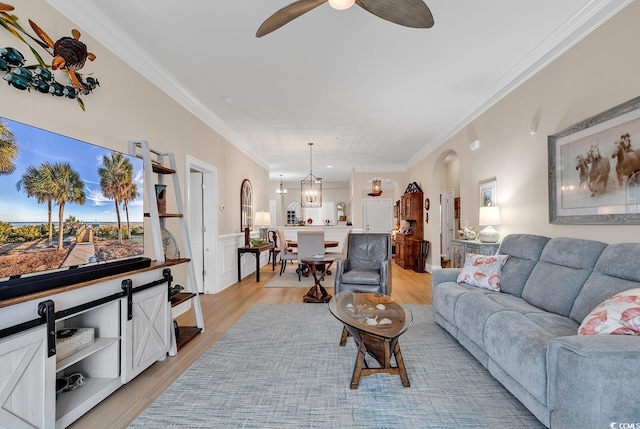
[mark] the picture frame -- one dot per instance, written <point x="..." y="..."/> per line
<point x="593" y="178"/>
<point x="488" y="192"/>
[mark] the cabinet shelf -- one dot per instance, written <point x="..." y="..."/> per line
<point x="166" y="215"/>
<point x="186" y="334"/>
<point x="181" y="297"/>
<point x="98" y="344"/>
<point x="161" y="169"/>
<point x="72" y="404"/>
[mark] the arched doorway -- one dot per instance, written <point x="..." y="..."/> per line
<point x="447" y="174"/>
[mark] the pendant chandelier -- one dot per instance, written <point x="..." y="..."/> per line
<point x="311" y="186"/>
<point x="376" y="188"/>
<point x="281" y="190"/>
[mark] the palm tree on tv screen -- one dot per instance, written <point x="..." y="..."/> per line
<point x="67" y="187"/>
<point x="130" y="194"/>
<point x="8" y="150"/>
<point x="115" y="177"/>
<point x="37" y="183"/>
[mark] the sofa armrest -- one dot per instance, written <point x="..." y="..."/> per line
<point x="342" y="265"/>
<point x="593" y="380"/>
<point x="385" y="277"/>
<point x="444" y="275"/>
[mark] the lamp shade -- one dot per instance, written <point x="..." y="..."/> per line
<point x="489" y="216"/>
<point x="263" y="219"/>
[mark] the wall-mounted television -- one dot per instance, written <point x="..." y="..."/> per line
<point x="68" y="210"/>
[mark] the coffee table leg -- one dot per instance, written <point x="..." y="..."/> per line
<point x="343" y="337"/>
<point x="357" y="369"/>
<point x="402" y="370"/>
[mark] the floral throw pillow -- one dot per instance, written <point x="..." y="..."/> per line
<point x="482" y="271"/>
<point x="618" y="315"/>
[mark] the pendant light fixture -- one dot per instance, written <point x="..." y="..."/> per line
<point x="376" y="188"/>
<point x="281" y="190"/>
<point x="311" y="186"/>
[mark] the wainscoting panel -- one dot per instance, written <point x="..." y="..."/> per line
<point x="228" y="249"/>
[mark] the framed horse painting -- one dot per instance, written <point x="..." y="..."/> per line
<point x="594" y="169"/>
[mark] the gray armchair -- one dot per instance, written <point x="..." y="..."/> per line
<point x="367" y="266"/>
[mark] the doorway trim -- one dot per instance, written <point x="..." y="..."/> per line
<point x="210" y="263"/>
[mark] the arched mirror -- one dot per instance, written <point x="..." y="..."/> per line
<point x="341" y="214"/>
<point x="294" y="216"/>
<point x="246" y="205"/>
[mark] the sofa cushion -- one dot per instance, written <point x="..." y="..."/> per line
<point x="564" y="266"/>
<point x="518" y="344"/>
<point x="482" y="271"/>
<point x="617" y="270"/>
<point x="446" y="295"/>
<point x="524" y="251"/>
<point x="361" y="276"/>
<point x="471" y="313"/>
<point x="618" y="315"/>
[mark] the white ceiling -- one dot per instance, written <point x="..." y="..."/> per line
<point x="370" y="95"/>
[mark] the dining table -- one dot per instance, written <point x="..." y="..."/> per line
<point x="294" y="244"/>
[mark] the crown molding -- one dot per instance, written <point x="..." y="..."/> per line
<point x="589" y="18"/>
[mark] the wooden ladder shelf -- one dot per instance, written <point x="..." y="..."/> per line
<point x="157" y="166"/>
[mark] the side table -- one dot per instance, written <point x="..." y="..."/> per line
<point x="256" y="252"/>
<point x="319" y="267"/>
<point x="461" y="248"/>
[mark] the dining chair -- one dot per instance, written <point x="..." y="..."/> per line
<point x="310" y="243"/>
<point x="345" y="244"/>
<point x="285" y="252"/>
<point x="273" y="253"/>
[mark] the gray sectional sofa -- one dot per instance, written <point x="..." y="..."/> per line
<point x="526" y="335"/>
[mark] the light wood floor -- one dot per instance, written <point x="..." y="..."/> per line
<point x="220" y="312"/>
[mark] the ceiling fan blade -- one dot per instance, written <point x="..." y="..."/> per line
<point x="286" y="15"/>
<point x="410" y="13"/>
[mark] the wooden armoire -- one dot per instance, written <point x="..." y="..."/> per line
<point x="411" y="210"/>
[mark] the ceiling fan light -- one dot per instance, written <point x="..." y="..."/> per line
<point x="341" y="4"/>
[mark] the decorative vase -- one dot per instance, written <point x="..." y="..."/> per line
<point x="246" y="236"/>
<point x="161" y="198"/>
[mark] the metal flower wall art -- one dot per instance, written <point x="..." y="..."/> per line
<point x="69" y="56"/>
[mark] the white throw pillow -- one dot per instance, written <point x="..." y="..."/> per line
<point x="482" y="271"/>
<point x="618" y="315"/>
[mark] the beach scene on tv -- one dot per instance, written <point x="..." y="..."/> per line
<point x="64" y="202"/>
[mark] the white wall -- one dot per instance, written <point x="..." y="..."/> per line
<point x="128" y="107"/>
<point x="598" y="73"/>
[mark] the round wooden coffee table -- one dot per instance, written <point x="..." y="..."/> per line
<point x="376" y="322"/>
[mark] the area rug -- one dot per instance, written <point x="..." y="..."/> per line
<point x="280" y="366"/>
<point x="289" y="279"/>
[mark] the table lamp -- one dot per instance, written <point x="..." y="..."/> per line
<point x="263" y="220"/>
<point x="489" y="216"/>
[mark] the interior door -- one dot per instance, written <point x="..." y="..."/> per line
<point x="378" y="215"/>
<point x="447" y="222"/>
<point x="196" y="226"/>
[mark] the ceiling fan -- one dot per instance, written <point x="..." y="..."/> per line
<point x="409" y="13"/>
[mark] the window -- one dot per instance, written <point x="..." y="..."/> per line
<point x="246" y="205"/>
